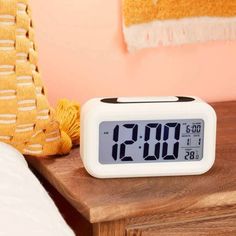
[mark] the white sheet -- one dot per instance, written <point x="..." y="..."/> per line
<point x="25" y="207"/>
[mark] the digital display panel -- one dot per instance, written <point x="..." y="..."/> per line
<point x="122" y="142"/>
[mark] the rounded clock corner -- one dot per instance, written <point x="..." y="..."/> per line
<point x="90" y="105"/>
<point x="91" y="170"/>
<point x="211" y="111"/>
<point x="207" y="167"/>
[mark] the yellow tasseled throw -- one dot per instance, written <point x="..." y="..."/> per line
<point x="150" y="23"/>
<point x="26" y="120"/>
<point x="68" y="115"/>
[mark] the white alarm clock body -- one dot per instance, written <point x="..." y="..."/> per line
<point x="151" y="136"/>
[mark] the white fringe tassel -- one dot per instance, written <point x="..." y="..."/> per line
<point x="177" y="32"/>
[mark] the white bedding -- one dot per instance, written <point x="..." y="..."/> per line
<point x="25" y="207"/>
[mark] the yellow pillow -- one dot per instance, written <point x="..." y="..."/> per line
<point x="26" y="120"/>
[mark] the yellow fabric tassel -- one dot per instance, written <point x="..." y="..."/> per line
<point x="67" y="113"/>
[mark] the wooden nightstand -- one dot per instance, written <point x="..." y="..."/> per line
<point x="192" y="205"/>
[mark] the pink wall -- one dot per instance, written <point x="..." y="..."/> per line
<point x="82" y="55"/>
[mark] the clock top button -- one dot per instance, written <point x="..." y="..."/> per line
<point x="147" y="99"/>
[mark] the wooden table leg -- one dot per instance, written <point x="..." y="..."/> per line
<point x="113" y="228"/>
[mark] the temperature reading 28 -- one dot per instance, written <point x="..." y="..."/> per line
<point x="191" y="155"/>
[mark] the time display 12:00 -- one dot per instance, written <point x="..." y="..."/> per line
<point x="151" y="141"/>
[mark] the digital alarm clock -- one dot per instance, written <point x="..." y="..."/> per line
<point x="147" y="136"/>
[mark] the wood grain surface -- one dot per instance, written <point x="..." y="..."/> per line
<point x="220" y="227"/>
<point x="208" y="198"/>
